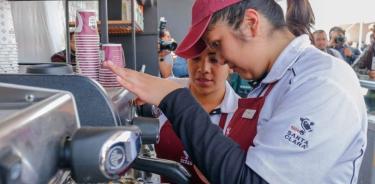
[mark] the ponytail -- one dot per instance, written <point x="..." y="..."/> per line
<point x="300" y="17"/>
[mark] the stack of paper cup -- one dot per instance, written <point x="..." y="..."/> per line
<point x="8" y="44"/>
<point x="115" y="54"/>
<point x="87" y="43"/>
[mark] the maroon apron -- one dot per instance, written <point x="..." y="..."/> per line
<point x="242" y="129"/>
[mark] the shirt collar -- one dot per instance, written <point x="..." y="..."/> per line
<point x="287" y="58"/>
<point x="230" y="100"/>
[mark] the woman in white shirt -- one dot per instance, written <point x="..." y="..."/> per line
<point x="207" y="83"/>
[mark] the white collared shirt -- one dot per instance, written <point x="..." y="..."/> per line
<point x="228" y="105"/>
<point x="313" y="126"/>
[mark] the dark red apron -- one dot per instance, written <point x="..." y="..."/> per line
<point x="242" y="129"/>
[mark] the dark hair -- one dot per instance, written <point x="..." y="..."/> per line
<point x="299" y="17"/>
<point x="163" y="32"/>
<point x="336" y="29"/>
<point x="318" y="31"/>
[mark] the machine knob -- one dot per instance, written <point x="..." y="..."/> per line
<point x="101" y="154"/>
<point x="149" y="128"/>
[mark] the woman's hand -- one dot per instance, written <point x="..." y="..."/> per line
<point x="348" y="52"/>
<point x="148" y="88"/>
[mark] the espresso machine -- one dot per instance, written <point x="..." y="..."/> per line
<point x="66" y="128"/>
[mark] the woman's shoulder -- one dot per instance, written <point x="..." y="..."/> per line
<point x="316" y="65"/>
<point x="315" y="62"/>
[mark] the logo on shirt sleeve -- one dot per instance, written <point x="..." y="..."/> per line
<point x="300" y="135"/>
<point x="185" y="159"/>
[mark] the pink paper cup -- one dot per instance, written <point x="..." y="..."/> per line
<point x="114" y="53"/>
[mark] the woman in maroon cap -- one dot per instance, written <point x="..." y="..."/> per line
<point x="310" y="116"/>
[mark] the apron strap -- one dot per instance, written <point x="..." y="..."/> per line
<point x="223" y="119"/>
<point x="268" y="87"/>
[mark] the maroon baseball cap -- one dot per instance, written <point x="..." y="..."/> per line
<point x="193" y="45"/>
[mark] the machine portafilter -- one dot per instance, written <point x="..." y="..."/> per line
<point x="96" y="155"/>
<point x="100" y="154"/>
<point x="149" y="127"/>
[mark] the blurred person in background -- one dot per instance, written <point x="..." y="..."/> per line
<point x="320" y="41"/>
<point x="337" y="41"/>
<point x="180" y="68"/>
<point x="369" y="34"/>
<point x="60" y="57"/>
<point x="365" y="66"/>
<point x="166" y="55"/>
<point x="354" y="47"/>
<point x="363" y="46"/>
